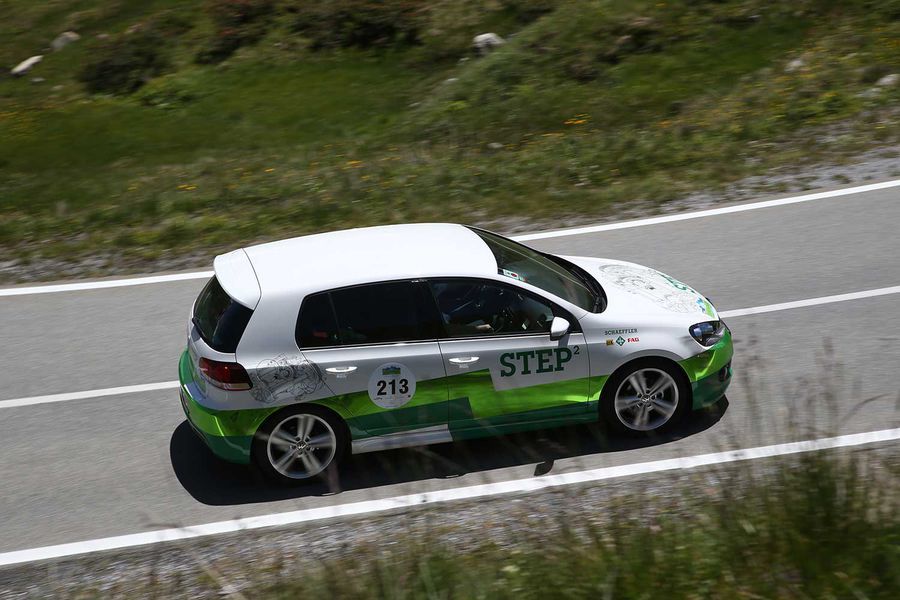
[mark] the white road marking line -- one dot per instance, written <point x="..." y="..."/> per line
<point x="128" y="389"/>
<point x="725" y="210"/>
<point x="531" y="484"/>
<point x="98" y="285"/>
<point x="755" y="310"/>
<point x="94" y="285"/>
<point x="168" y="385"/>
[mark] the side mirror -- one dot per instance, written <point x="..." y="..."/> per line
<point x="558" y="328"/>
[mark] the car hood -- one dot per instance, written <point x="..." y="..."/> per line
<point x="638" y="289"/>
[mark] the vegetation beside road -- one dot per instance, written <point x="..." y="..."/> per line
<point x="822" y="526"/>
<point x="198" y="126"/>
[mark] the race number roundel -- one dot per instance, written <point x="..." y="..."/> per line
<point x="392" y="385"/>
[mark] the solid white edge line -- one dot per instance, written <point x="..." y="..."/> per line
<point x="725" y="210"/>
<point x="93" y="285"/>
<point x="755" y="310"/>
<point x="115" y="391"/>
<point x="439" y="496"/>
<point x="725" y="314"/>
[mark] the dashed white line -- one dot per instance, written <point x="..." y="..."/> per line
<point x="755" y="310"/>
<point x="725" y="210"/>
<point x="114" y="391"/>
<point x="99" y="285"/>
<point x="167" y="385"/>
<point x="461" y="493"/>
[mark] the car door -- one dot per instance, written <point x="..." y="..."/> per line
<point x="377" y="348"/>
<point x="502" y="367"/>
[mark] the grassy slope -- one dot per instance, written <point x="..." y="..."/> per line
<point x="280" y="141"/>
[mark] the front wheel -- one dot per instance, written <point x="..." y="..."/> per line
<point x="299" y="443"/>
<point x="645" y="397"/>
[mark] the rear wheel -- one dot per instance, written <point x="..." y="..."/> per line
<point x="647" y="396"/>
<point x="300" y="443"/>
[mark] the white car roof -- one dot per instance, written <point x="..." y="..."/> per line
<point x="325" y="261"/>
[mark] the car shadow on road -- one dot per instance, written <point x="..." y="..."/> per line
<point x="217" y="483"/>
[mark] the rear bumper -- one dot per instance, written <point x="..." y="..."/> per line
<point x="228" y="433"/>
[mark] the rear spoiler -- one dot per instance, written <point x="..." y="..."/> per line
<point x="237" y="277"/>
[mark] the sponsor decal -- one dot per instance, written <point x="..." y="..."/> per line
<point x="544" y="360"/>
<point x="512" y="275"/>
<point x="620" y="340"/>
<point x="285" y="379"/>
<point x="619" y="331"/>
<point x="609" y="342"/>
<point x="656" y="287"/>
<point x="392" y="385"/>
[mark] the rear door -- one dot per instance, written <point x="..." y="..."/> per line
<point x="502" y="367"/>
<point x="376" y="346"/>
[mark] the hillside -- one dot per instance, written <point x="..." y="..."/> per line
<point x="181" y="128"/>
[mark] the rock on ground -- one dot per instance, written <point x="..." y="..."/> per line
<point x="484" y="43"/>
<point x="26" y="65"/>
<point x="63" y="40"/>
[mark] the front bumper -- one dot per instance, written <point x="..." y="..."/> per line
<point x="228" y="433"/>
<point x="710" y="372"/>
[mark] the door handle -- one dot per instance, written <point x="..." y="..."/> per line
<point x="464" y="360"/>
<point x="340" y="370"/>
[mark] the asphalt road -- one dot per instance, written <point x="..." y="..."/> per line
<point x="123" y="464"/>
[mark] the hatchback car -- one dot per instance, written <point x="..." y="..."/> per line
<point x="302" y="350"/>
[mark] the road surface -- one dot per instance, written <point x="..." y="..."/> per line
<point x="86" y="468"/>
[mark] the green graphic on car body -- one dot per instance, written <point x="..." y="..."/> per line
<point x="467" y="402"/>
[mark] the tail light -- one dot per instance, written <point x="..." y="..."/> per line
<point x="225" y="375"/>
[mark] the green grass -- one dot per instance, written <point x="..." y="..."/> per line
<point x="279" y="140"/>
<point x="823" y="526"/>
<point x="815" y="529"/>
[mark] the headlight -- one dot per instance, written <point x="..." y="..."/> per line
<point x="708" y="333"/>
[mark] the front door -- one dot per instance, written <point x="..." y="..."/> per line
<point x="502" y="367"/>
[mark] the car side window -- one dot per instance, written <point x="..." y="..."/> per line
<point x="317" y="326"/>
<point x="482" y="308"/>
<point x="396" y="311"/>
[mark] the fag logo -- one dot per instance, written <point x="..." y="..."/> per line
<point x="546" y="360"/>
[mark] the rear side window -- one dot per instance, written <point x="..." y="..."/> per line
<point x="399" y="311"/>
<point x="220" y="320"/>
<point x="317" y="326"/>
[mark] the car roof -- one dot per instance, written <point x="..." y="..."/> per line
<point x="325" y="261"/>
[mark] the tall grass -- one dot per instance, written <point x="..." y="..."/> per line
<point x="818" y="526"/>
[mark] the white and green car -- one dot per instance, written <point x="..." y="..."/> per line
<point x="302" y="350"/>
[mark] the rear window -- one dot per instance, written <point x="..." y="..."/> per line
<point x="219" y="319"/>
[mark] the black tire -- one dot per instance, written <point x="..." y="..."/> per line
<point x="264" y="455"/>
<point x="619" y="383"/>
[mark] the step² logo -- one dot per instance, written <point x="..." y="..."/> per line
<point x="526" y="362"/>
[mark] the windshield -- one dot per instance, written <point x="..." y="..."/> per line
<point x="520" y="262"/>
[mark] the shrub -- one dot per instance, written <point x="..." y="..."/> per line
<point x="237" y="23"/>
<point x="127" y="62"/>
<point x="358" y="23"/>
